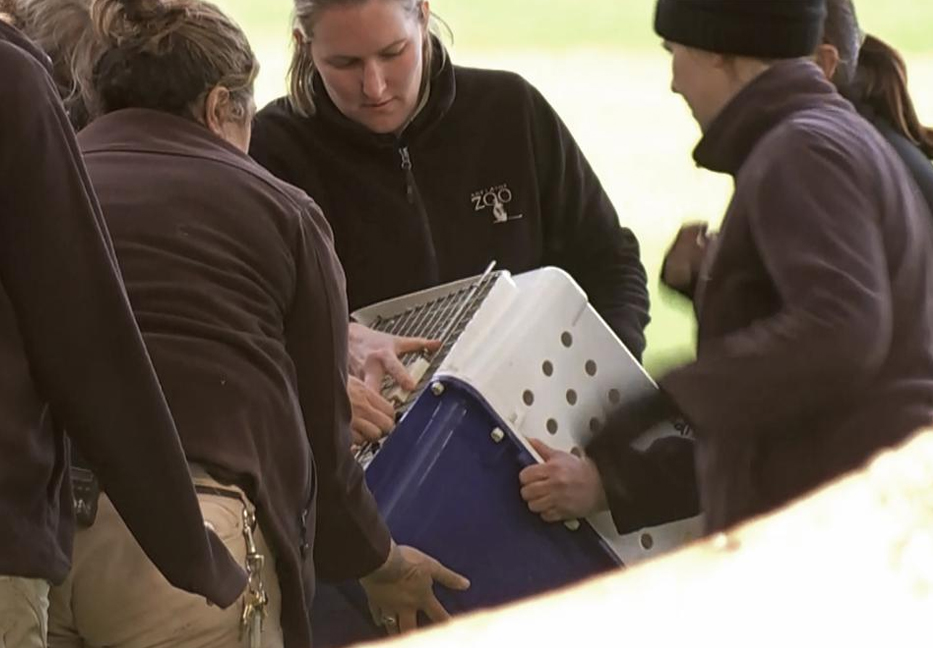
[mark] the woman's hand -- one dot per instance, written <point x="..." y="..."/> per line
<point x="404" y="586"/>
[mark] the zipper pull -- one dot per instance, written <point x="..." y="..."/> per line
<point x="406" y="158"/>
<point x="409" y="178"/>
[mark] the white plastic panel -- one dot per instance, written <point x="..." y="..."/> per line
<point x="552" y="369"/>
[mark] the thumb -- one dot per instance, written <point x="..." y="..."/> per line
<point x="542" y="448"/>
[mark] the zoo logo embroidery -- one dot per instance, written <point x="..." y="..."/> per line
<point x="495" y="198"/>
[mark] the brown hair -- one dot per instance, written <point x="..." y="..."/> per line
<point x="301" y="69"/>
<point x="63" y="30"/>
<point x="882" y="84"/>
<point x="873" y="73"/>
<point x="168" y="55"/>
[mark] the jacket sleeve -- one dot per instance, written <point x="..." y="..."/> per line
<point x="351" y="540"/>
<point x="815" y="226"/>
<point x="648" y="487"/>
<point x="582" y="230"/>
<point x="85" y="351"/>
<point x="645" y="487"/>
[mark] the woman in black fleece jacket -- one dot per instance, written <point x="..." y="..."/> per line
<point x="428" y="171"/>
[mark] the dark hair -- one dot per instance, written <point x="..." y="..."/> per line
<point x="872" y="73"/>
<point x="301" y="69"/>
<point x="168" y="56"/>
<point x="841" y="30"/>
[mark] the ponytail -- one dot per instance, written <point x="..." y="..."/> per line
<point x="301" y="73"/>
<point x="881" y="83"/>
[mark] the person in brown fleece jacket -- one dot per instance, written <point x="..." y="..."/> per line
<point x="815" y="341"/>
<point x="72" y="357"/>
<point x="240" y="298"/>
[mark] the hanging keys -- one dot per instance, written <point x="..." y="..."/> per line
<point x="255" y="599"/>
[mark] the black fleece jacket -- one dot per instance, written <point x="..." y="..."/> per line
<point x="486" y="171"/>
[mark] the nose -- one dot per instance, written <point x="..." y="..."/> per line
<point x="374" y="82"/>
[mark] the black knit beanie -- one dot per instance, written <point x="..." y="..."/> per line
<point x="769" y="29"/>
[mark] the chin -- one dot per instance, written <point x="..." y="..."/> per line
<point x="381" y="126"/>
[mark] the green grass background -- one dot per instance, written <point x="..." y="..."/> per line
<point x="601" y="66"/>
<point x="550" y="24"/>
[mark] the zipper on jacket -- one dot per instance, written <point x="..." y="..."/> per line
<point x="414" y="199"/>
<point x="409" y="176"/>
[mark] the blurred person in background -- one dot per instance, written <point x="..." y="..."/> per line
<point x="873" y="76"/>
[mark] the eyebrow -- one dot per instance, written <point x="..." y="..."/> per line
<point x="338" y="58"/>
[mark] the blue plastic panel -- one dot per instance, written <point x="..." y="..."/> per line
<point x="446" y="486"/>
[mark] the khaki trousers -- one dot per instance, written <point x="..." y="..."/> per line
<point x="115" y="597"/>
<point x="24" y="612"/>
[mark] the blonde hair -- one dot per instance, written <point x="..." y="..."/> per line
<point x="301" y="70"/>
<point x="167" y="55"/>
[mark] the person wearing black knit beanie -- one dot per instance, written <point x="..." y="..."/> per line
<point x="814" y="306"/>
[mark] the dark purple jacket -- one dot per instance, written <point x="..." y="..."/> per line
<point x="70" y="351"/>
<point x="234" y="282"/>
<point x="815" y="314"/>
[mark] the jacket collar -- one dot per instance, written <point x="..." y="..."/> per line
<point x="14" y="36"/>
<point x="144" y="130"/>
<point x="440" y="99"/>
<point x="784" y="89"/>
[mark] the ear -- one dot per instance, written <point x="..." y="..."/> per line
<point x="425" y="12"/>
<point x="217" y="110"/>
<point x="827" y="57"/>
<point x="298" y="37"/>
<point x="720" y="61"/>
